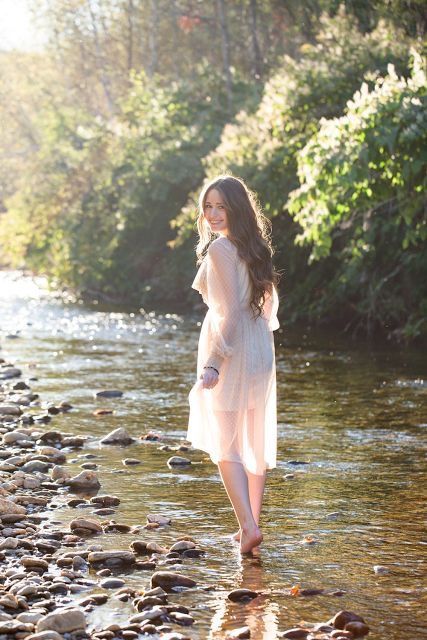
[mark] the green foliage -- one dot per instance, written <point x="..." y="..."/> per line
<point x="98" y="197"/>
<point x="362" y="199"/>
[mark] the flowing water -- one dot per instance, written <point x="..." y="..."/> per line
<point x="351" y="431"/>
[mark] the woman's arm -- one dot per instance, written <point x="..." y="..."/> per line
<point x="223" y="295"/>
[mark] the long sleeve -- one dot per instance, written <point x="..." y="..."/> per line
<point x="223" y="295"/>
<point x="270" y="308"/>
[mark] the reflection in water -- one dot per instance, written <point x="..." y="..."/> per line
<point x="260" y="614"/>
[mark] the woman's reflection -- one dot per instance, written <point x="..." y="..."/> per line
<point x="260" y="614"/>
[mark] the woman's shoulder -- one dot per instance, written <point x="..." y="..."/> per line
<point x="221" y="245"/>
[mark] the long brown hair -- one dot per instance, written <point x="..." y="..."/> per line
<point x="249" y="230"/>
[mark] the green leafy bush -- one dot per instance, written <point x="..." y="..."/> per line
<point x="362" y="199"/>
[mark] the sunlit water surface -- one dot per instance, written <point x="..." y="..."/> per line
<point x="352" y="413"/>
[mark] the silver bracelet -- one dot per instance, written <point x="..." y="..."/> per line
<point x="212" y="368"/>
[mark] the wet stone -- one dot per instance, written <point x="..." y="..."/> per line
<point x="242" y="595"/>
<point x="111" y="583"/>
<point x="242" y="632"/>
<point x="153" y="518"/>
<point x="108" y="393"/>
<point x="92" y="526"/>
<point x="111" y="558"/>
<point x="108" y="511"/>
<point x="62" y="621"/>
<point x="105" y="501"/>
<point x="116" y="527"/>
<point x="297" y="632"/>
<point x="119" y="436"/>
<point x="178" y="461"/>
<point x="341" y="618"/>
<point x="357" y="628"/>
<point x="84" y="481"/>
<point x="169" y="581"/>
<point x="131" y="461"/>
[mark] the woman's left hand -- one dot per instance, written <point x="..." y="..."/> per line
<point x="209" y="378"/>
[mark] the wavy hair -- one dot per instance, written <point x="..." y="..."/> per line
<point x="249" y="230"/>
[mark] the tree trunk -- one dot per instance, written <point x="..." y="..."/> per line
<point x="103" y="76"/>
<point x="225" y="43"/>
<point x="152" y="38"/>
<point x="130" y="18"/>
<point x="256" y="52"/>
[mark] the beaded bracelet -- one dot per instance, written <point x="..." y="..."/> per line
<point x="212" y="368"/>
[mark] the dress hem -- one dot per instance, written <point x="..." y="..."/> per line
<point x="267" y="467"/>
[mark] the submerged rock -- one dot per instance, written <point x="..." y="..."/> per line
<point x="108" y="393"/>
<point x="235" y="634"/>
<point x="105" y="501"/>
<point x="380" y="570"/>
<point x="242" y="595"/>
<point x="178" y="461"/>
<point x="158" y="519"/>
<point x="297" y="632"/>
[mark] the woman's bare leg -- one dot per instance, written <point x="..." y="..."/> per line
<point x="236" y="484"/>
<point x="256" y="486"/>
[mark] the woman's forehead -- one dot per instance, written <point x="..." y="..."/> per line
<point x="214" y="194"/>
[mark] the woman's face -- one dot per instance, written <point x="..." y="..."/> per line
<point x="215" y="212"/>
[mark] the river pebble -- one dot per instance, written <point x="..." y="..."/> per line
<point x="62" y="621"/>
<point x="178" y="461"/>
<point x="242" y="632"/>
<point x="84" y="481"/>
<point x="242" y="595"/>
<point x="168" y="580"/>
<point x="119" y="436"/>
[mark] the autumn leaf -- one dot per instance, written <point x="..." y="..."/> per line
<point x="295" y="590"/>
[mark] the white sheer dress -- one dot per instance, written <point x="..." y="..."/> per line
<point x="236" y="420"/>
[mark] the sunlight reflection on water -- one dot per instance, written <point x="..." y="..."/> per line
<point x="355" y="415"/>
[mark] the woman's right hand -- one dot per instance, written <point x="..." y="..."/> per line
<point x="209" y="378"/>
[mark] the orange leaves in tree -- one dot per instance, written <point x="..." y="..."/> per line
<point x="188" y="23"/>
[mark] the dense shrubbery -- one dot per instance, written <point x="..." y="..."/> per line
<point x="362" y="204"/>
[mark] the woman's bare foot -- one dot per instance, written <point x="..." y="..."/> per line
<point x="236" y="536"/>
<point x="249" y="539"/>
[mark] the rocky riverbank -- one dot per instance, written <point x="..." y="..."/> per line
<point x="50" y="572"/>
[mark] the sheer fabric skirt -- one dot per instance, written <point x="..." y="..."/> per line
<point x="237" y="420"/>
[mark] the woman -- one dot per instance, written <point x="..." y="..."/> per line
<point x="233" y="403"/>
